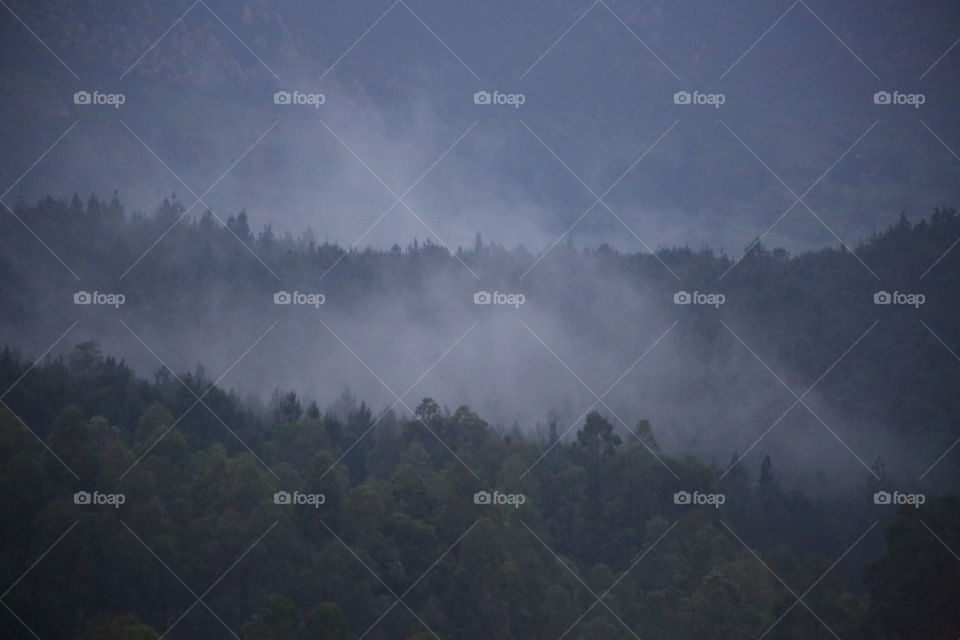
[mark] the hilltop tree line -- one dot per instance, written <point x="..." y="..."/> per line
<point x="802" y="311"/>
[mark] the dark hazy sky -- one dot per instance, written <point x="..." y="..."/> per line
<point x="798" y="149"/>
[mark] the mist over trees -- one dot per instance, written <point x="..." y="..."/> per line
<point x="432" y="320"/>
<point x="883" y="376"/>
<point x="400" y="517"/>
<point x="434" y="521"/>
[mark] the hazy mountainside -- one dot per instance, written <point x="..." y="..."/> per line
<point x="713" y="378"/>
<point x="293" y="524"/>
<point x="541" y="320"/>
<point x="199" y="87"/>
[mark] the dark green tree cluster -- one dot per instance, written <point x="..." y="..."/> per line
<point x="400" y="547"/>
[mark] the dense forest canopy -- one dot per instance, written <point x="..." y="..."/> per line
<point x="283" y="521"/>
<point x="882" y="377"/>
<point x="163" y="502"/>
<point x="432" y="320"/>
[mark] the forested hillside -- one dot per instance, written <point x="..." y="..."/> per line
<point x="185" y="535"/>
<point x="145" y="501"/>
<point x="197" y="292"/>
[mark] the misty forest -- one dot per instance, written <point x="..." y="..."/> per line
<point x="664" y="345"/>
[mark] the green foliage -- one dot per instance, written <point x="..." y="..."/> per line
<point x="403" y="521"/>
<point x="399" y="517"/>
